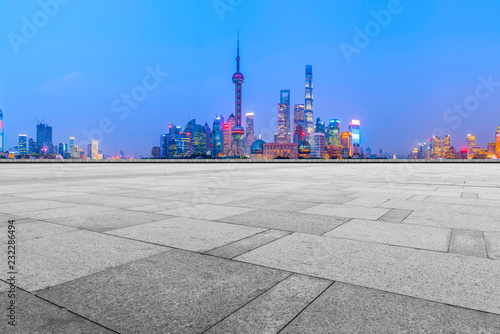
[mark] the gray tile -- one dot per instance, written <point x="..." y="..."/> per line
<point x="60" y="258"/>
<point x="31" y="205"/>
<point x="76" y="210"/>
<point x="345" y="308"/>
<point x="187" y="233"/>
<point x="288" y="221"/>
<point x="347" y="211"/>
<point x="469" y="195"/>
<point x="184" y="293"/>
<point x="205" y="211"/>
<point x="3" y="286"/>
<point x="5" y="199"/>
<point x="395" y="216"/>
<point x="329" y="197"/>
<point x="166" y="205"/>
<point x="417" y="198"/>
<point x="100" y="221"/>
<point x="453" y="220"/>
<point x="367" y="201"/>
<point x="467" y="242"/>
<point x="36" y="229"/>
<point x="270" y="312"/>
<point x="413" y="272"/>
<point x="244" y="245"/>
<point x="492" y="244"/>
<point x="415" y="236"/>
<point x="35" y="315"/>
<point x="49" y="194"/>
<point x="108" y="200"/>
<point x="380" y="195"/>
<point x="277" y="203"/>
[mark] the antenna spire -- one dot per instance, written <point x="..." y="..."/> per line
<point x="238" y="55"/>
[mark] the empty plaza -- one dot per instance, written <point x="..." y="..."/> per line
<point x="252" y="247"/>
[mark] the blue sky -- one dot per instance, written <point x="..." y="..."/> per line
<point x="429" y="56"/>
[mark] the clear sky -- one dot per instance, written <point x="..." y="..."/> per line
<point x="424" y="59"/>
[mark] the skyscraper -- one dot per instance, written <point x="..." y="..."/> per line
<point x="497" y="136"/>
<point x="320" y="126"/>
<point x="217" y="137"/>
<point x="446" y="146"/>
<point x="471" y="146"/>
<point x="317" y="145"/>
<point x="284" y="117"/>
<point x="71" y="143"/>
<point x="2" y="143"/>
<point x="250" y="137"/>
<point x="23" y="147"/>
<point x="237" y="130"/>
<point x="208" y="138"/>
<point x="95" y="149"/>
<point x="436" y="147"/>
<point x="346" y="143"/>
<point x="309" y="101"/>
<point x="44" y="137"/>
<point x="354" y="129"/>
<point x="298" y="116"/>
<point x="334" y="132"/>
<point x="226" y="132"/>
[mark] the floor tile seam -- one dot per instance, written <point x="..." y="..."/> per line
<point x="267" y="243"/>
<point x="350" y="219"/>
<point x="235" y="241"/>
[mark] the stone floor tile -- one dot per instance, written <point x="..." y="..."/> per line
<point x="16" y="208"/>
<point x="395" y="216"/>
<point x="166" y="205"/>
<point x="276" y="203"/>
<point x="108" y="200"/>
<point x="36" y="229"/>
<point x="367" y="201"/>
<point x="348" y="211"/>
<point x="206" y="211"/>
<point x="468" y="242"/>
<point x="492" y="244"/>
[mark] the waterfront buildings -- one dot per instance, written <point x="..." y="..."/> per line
<point x="217" y="137"/>
<point x="227" y="137"/>
<point x="346" y="144"/>
<point x="317" y="144"/>
<point x="497" y="142"/>
<point x="320" y="126"/>
<point x="250" y="131"/>
<point x="155" y="152"/>
<point x="435" y="147"/>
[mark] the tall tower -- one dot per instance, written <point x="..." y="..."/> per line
<point x="354" y="129"/>
<point x="237" y="131"/>
<point x="284" y="117"/>
<point x="250" y="138"/>
<point x="1" y="132"/>
<point x="497" y="141"/>
<point x="309" y="127"/>
<point x="298" y="117"/>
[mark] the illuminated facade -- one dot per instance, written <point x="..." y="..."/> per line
<point x="199" y="140"/>
<point x="281" y="134"/>
<point x="286" y="150"/>
<point x="320" y="126"/>
<point x="497" y="136"/>
<point x="237" y="131"/>
<point x="298" y="116"/>
<point x="227" y="137"/>
<point x="23" y="142"/>
<point x="435" y="147"/>
<point x="334" y="152"/>
<point x="471" y="146"/>
<point x="2" y="143"/>
<point x="299" y="134"/>
<point x="284" y="127"/>
<point x="346" y="143"/>
<point x="155" y="152"/>
<point x="446" y="146"/>
<point x="308" y="112"/>
<point x="334" y="132"/>
<point x="317" y="143"/>
<point x="250" y="137"/>
<point x="491" y="150"/>
<point x="356" y="139"/>
<point x="217" y="136"/>
<point x="95" y="149"/>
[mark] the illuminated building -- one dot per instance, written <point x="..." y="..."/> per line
<point x="89" y="151"/>
<point x="471" y="140"/>
<point x="334" y="152"/>
<point x="95" y="149"/>
<point x="299" y="134"/>
<point x="155" y="152"/>
<point x="446" y="146"/>
<point x="368" y="152"/>
<point x="355" y="135"/>
<point x="284" y="117"/>
<point x="257" y="149"/>
<point x="304" y="149"/>
<point x="237" y="130"/>
<point x="226" y="133"/>
<point x="199" y="140"/>
<point x="308" y="112"/>
<point x="2" y="143"/>
<point x="44" y="138"/>
<point x="23" y="141"/>
<point x="63" y="149"/>
<point x="451" y="154"/>
<point x="463" y="153"/>
<point x="320" y="126"/>
<point x="250" y="137"/>
<point x="32" y="145"/>
<point x="217" y="142"/>
<point x="71" y="143"/>
<point x="334" y="132"/>
<point x="435" y="147"/>
<point x="208" y="138"/>
<point x="414" y="154"/>
<point x="317" y="144"/>
<point x="346" y="143"/>
<point x="298" y="117"/>
<point x="497" y="136"/>
<point x="286" y="150"/>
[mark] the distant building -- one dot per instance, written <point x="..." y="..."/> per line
<point x="446" y="146"/>
<point x="31" y="145"/>
<point x="435" y="147"/>
<point x="71" y="143"/>
<point x="298" y="117"/>
<point x="95" y="149"/>
<point x="23" y="144"/>
<point x="346" y="143"/>
<point x="286" y="150"/>
<point x="155" y="152"/>
<point x="2" y="142"/>
<point x="334" y="132"/>
<point x="497" y="136"/>
<point x="226" y="134"/>
<point x="356" y="138"/>
<point x="317" y="144"/>
<point x="309" y="127"/>
<point x="284" y="117"/>
<point x="320" y="126"/>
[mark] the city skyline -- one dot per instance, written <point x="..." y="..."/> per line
<point x="447" y="61"/>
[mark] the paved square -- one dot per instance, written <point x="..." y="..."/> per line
<point x="254" y="248"/>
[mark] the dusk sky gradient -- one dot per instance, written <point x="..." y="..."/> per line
<point x="428" y="58"/>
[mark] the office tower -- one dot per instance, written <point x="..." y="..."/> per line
<point x="334" y="132"/>
<point x="95" y="149"/>
<point x="368" y="153"/>
<point x="237" y="130"/>
<point x="299" y="134"/>
<point x="89" y="151"/>
<point x="199" y="146"/>
<point x="355" y="135"/>
<point x="320" y="126"/>
<point x="208" y="138"/>
<point x="226" y="133"/>
<point x="31" y="144"/>
<point x="497" y="136"/>
<point x="451" y="153"/>
<point x="217" y="137"/>
<point x="63" y="148"/>
<point x="446" y="146"/>
<point x="472" y="149"/>
<point x="284" y="117"/>
<point x="155" y="152"/>
<point x="164" y="145"/>
<point x="298" y="116"/>
<point x="491" y="149"/>
<point x="44" y="138"/>
<point x="317" y="144"/>
<point x="23" y="142"/>
<point x="71" y="143"/>
<point x="347" y="144"/>
<point x="309" y="101"/>
<point x="435" y="148"/>
<point x="250" y="137"/>
<point x="2" y="143"/>
<point x="471" y="140"/>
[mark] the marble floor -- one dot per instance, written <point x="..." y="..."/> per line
<point x="252" y="248"/>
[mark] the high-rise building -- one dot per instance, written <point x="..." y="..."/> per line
<point x="435" y="147"/>
<point x="63" y="149"/>
<point x="471" y="146"/>
<point x="250" y="137"/>
<point x="346" y="143"/>
<point x="89" y="151"/>
<point x="491" y="150"/>
<point x="23" y="144"/>
<point x="227" y="137"/>
<point x="471" y="140"/>
<point x="284" y="117"/>
<point x="95" y="149"/>
<point x="320" y="126"/>
<point x="217" y="137"/>
<point x="309" y="127"/>
<point x="71" y="143"/>
<point x="298" y="116"/>
<point x="446" y="146"/>
<point x="2" y="142"/>
<point x="356" y="138"/>
<point x="155" y="152"/>
<point x="317" y="144"/>
<point x="299" y="134"/>
<point x="497" y="136"/>
<point x="208" y="138"/>
<point x="199" y="146"/>
<point x="334" y="132"/>
<point x="31" y="144"/>
<point x="44" y="138"/>
<point x="237" y="131"/>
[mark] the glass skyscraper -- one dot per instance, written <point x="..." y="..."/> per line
<point x="334" y="132"/>
<point x="354" y="129"/>
<point x="309" y="126"/>
<point x="284" y="117"/>
<point x="298" y="117"/>
<point x="217" y="138"/>
<point x="23" y="144"/>
<point x="1" y="132"/>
